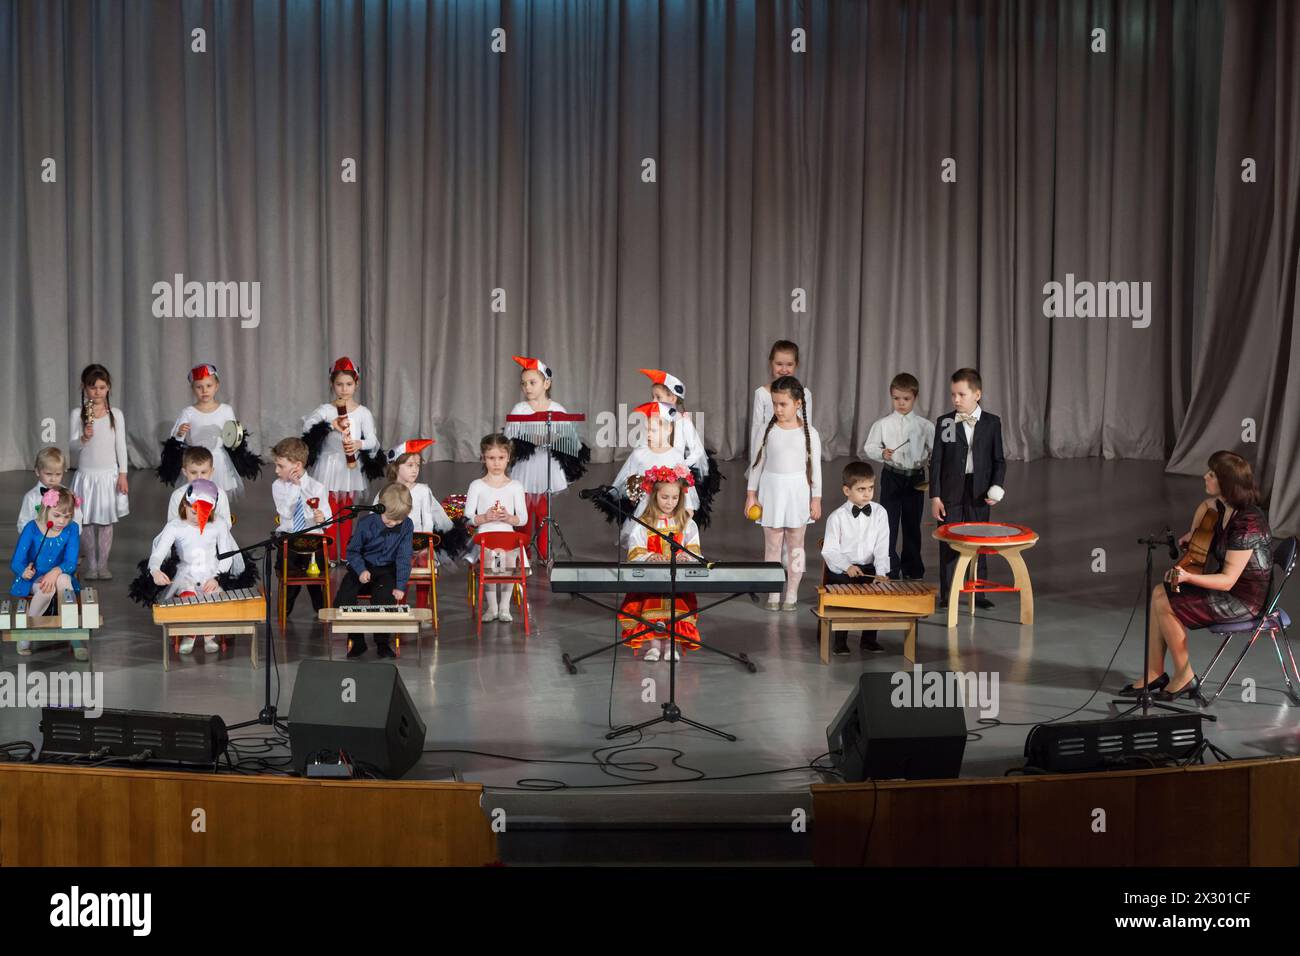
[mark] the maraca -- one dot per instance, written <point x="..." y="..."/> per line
<point x="754" y="512"/>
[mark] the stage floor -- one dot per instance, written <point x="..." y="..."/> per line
<point x="509" y="694"/>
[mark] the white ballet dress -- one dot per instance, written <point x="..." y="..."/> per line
<point x="205" y="432"/>
<point x="781" y="478"/>
<point x="98" y="463"/>
<point x="761" y="414"/>
<point x="331" y="468"/>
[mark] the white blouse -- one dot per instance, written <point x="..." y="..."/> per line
<point x="106" y="449"/>
<point x="762" y="414"/>
<point x="786" y="454"/>
<point x="481" y="496"/>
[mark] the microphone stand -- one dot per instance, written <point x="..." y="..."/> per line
<point x="672" y="713"/>
<point x="571" y="663"/>
<point x="1145" y="699"/>
<point x="268" y="716"/>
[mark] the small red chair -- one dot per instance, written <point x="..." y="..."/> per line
<point x="502" y="541"/>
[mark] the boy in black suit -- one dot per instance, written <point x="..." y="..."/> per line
<point x="966" y="470"/>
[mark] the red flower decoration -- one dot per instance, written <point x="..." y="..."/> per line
<point x="678" y="473"/>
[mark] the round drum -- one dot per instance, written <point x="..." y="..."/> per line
<point x="232" y="434"/>
<point x="986" y="532"/>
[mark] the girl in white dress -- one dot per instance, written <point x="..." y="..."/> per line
<point x="99" y="446"/>
<point x="785" y="482"/>
<point x="496" y="502"/>
<point x="530" y="469"/>
<point x="343" y="449"/>
<point x="658" y="452"/>
<point x="671" y="390"/>
<point x="183" y="559"/>
<point x="783" y="359"/>
<point x="200" y="425"/>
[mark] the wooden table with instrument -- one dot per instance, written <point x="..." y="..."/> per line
<point x="375" y="619"/>
<point x="877" y="604"/>
<point x="224" y="613"/>
<point x="972" y="538"/>
<point x="79" y="616"/>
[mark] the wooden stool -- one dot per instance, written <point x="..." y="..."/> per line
<point x="835" y="619"/>
<point x="973" y="538"/>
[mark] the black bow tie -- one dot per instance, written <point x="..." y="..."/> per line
<point x="43" y="490"/>
<point x="864" y="510"/>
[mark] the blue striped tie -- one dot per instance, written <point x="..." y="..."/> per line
<point x="299" y="516"/>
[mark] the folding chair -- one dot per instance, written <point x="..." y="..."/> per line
<point x="1271" y="619"/>
<point x="502" y="541"/>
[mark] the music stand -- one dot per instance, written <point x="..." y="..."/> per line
<point x="268" y="715"/>
<point x="548" y="417"/>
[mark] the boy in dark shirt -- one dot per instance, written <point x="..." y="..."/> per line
<point x="379" y="557"/>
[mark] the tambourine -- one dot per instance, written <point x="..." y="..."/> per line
<point x="232" y="435"/>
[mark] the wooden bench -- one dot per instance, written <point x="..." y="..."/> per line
<point x="853" y="619"/>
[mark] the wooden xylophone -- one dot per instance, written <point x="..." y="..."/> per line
<point x="246" y="605"/>
<point x="909" y="597"/>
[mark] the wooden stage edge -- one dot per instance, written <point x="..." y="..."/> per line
<point x="71" y="816"/>
<point x="1241" y="813"/>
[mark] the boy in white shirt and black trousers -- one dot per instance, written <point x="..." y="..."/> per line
<point x="856" y="545"/>
<point x="901" y="443"/>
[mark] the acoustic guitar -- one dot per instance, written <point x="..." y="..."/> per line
<point x="1198" y="546"/>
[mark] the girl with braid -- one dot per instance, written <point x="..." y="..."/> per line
<point x="785" y="483"/>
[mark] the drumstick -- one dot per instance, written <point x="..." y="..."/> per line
<point x="901" y="444"/>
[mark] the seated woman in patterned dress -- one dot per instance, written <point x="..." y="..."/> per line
<point x="1234" y="586"/>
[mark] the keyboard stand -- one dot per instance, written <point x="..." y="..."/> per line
<point x="660" y="630"/>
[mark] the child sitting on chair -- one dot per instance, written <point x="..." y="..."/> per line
<point x="45" y="559"/>
<point x="379" y="557"/>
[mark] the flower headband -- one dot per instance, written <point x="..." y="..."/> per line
<point x="677" y="473"/>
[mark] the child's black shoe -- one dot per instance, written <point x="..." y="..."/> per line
<point x="383" y="650"/>
<point x="356" y="648"/>
<point x="841" y="646"/>
<point x="869" y="643"/>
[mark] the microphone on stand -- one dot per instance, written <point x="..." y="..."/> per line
<point x="1173" y="545"/>
<point x="600" y="491"/>
<point x="377" y="509"/>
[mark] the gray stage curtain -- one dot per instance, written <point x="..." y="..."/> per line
<point x="776" y="170"/>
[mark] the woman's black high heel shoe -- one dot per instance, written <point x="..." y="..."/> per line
<point x="1160" y="683"/>
<point x="1191" y="690"/>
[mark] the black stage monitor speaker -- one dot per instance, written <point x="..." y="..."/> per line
<point x="141" y="736"/>
<point x="361" y="709"/>
<point x="1113" y="744"/>
<point x="871" y="739"/>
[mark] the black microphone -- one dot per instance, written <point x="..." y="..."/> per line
<point x="377" y="509"/>
<point x="600" y="491"/>
<point x="1173" y="545"/>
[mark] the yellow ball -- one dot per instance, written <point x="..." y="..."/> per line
<point x="754" y="512"/>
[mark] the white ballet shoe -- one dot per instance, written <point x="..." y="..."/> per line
<point x="187" y="645"/>
<point x="652" y="654"/>
<point x="503" y="613"/>
<point x="210" y="645"/>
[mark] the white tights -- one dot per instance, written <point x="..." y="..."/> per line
<point x="794" y="560"/>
